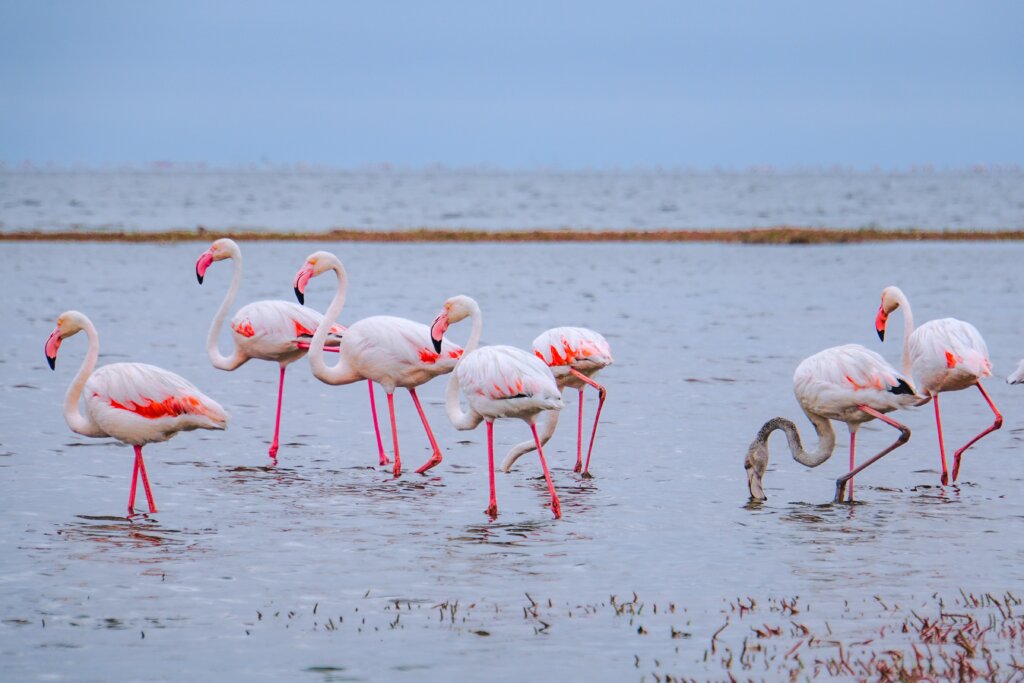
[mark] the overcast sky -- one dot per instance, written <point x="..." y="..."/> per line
<point x="513" y="84"/>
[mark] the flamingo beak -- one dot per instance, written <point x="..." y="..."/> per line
<point x="880" y="321"/>
<point x="301" y="280"/>
<point x="52" y="344"/>
<point x="202" y="264"/>
<point x="437" y="330"/>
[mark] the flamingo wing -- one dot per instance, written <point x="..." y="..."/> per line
<point x="940" y="346"/>
<point x="573" y="346"/>
<point x="280" y="323"/>
<point x="505" y="372"/>
<point x="384" y="340"/>
<point x="834" y="382"/>
<point x="140" y="403"/>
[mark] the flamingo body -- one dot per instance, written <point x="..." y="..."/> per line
<point x="573" y="348"/>
<point x="137" y="403"/>
<point x="948" y="355"/>
<point x="833" y="383"/>
<point x="506" y="382"/>
<point x="395" y="352"/>
<point x="277" y="330"/>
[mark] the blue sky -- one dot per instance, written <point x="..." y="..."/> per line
<point x="523" y="84"/>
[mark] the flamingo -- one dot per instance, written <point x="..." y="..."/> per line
<point x="393" y="352"/>
<point x="1018" y="375"/>
<point x="944" y="355"/>
<point x="847" y="383"/>
<point x="267" y="330"/>
<point x="134" y="403"/>
<point x="575" y="355"/>
<point x="499" y="381"/>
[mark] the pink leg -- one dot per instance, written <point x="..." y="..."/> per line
<point x="602" y="393"/>
<point x="556" y="507"/>
<point x="944" y="477"/>
<point x="853" y="441"/>
<point x="995" y="425"/>
<point x="492" y="508"/>
<point x="394" y="434"/>
<point x="376" y="426"/>
<point x="135" y="478"/>
<point x="579" y="437"/>
<point x="277" y="420"/>
<point x="435" y="459"/>
<point x="902" y="439"/>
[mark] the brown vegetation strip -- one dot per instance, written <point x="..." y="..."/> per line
<point x="780" y="235"/>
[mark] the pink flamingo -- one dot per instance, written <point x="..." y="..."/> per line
<point x="393" y="352"/>
<point x="575" y="355"/>
<point x="134" y="403"/>
<point x="848" y="383"/>
<point x="943" y="355"/>
<point x="277" y="331"/>
<point x="499" y="381"/>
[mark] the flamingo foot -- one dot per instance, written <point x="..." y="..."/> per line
<point x="579" y="466"/>
<point x="398" y="469"/>
<point x="944" y="479"/>
<point x="273" y="451"/>
<point x="586" y="475"/>
<point x="434" y="461"/>
<point x="492" y="511"/>
<point x="556" y="507"/>
<point x="384" y="460"/>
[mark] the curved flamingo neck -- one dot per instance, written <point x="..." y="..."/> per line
<point x="341" y="373"/>
<point x="823" y="428"/>
<point x="460" y="418"/>
<point x="76" y="421"/>
<point x="908" y="329"/>
<point x="219" y="360"/>
<point x="520" y="449"/>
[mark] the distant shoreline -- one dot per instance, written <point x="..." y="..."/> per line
<point x="778" y="235"/>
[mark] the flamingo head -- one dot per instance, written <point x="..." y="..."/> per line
<point x="317" y="263"/>
<point x="455" y="309"/>
<point x="221" y="249"/>
<point x="68" y="323"/>
<point x="756" y="463"/>
<point x="890" y="302"/>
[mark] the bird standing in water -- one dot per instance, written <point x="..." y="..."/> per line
<point x="848" y="383"/>
<point x="134" y="403"/>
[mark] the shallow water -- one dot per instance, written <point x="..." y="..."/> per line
<point x="327" y="568"/>
<point x="387" y="199"/>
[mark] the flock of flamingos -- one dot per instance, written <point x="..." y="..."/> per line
<point x="139" y="404"/>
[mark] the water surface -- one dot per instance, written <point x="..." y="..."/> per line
<point x="326" y="568"/>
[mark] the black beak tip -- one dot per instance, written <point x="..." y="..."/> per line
<point x="881" y="334"/>
<point x="437" y="344"/>
<point x="199" y="277"/>
<point x="300" y="296"/>
<point x="52" y="360"/>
